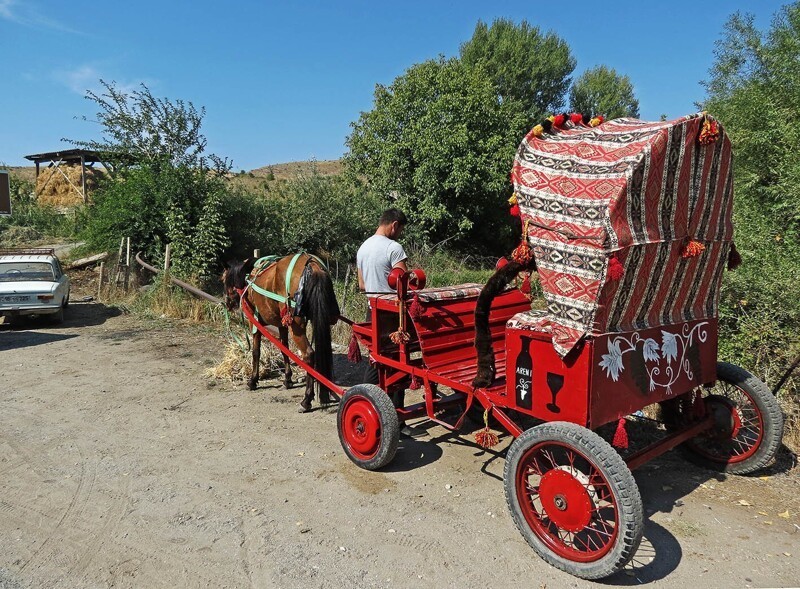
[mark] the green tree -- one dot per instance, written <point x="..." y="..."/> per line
<point x="140" y="129"/>
<point x="528" y="66"/>
<point x="439" y="144"/>
<point x="754" y="90"/>
<point x="166" y="189"/>
<point x="602" y="91"/>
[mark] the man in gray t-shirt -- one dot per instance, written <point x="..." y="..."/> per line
<point x="379" y="254"/>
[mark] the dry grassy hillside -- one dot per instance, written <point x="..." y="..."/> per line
<point x="252" y="179"/>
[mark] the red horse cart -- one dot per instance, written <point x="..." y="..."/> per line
<point x="628" y="226"/>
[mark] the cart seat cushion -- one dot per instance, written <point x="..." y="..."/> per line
<point x="531" y="320"/>
<point x="443" y="293"/>
<point x="448" y="293"/>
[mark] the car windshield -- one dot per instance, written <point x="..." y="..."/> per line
<point x="24" y="271"/>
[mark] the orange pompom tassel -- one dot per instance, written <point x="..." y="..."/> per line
<point x="693" y="248"/>
<point x="620" y="436"/>
<point x="709" y="132"/>
<point x="399" y="337"/>
<point x="615" y="268"/>
<point x="415" y="308"/>
<point x="522" y="254"/>
<point x="286" y="316"/>
<point x="354" y="350"/>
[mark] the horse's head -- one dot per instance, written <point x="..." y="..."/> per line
<point x="233" y="280"/>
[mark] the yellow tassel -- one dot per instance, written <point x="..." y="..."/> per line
<point x="538" y="131"/>
<point x="595" y="121"/>
<point x="551" y="118"/>
<point x="513" y="200"/>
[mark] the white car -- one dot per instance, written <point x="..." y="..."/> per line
<point x="32" y="283"/>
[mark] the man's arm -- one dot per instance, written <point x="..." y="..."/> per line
<point x="361" y="281"/>
<point x="402" y="265"/>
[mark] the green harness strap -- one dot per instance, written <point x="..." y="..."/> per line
<point x="263" y="263"/>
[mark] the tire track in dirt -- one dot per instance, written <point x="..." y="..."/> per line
<point x="46" y="551"/>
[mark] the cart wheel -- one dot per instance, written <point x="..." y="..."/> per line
<point x="573" y="499"/>
<point x="748" y="424"/>
<point x="368" y="427"/>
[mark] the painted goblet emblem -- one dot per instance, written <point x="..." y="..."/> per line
<point x="554" y="382"/>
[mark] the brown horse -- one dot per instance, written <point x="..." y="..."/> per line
<point x="316" y="302"/>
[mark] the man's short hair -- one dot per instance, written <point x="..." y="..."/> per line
<point x="389" y="216"/>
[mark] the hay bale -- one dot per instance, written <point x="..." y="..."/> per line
<point x="53" y="189"/>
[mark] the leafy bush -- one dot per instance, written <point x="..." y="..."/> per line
<point x="31" y="221"/>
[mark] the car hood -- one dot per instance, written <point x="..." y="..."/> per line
<point x="27" y="287"/>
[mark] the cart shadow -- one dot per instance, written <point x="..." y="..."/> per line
<point x="658" y="555"/>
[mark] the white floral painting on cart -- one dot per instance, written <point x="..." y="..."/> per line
<point x="664" y="362"/>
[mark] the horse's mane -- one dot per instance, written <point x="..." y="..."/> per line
<point x="238" y="272"/>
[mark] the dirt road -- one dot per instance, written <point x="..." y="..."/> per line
<point x="121" y="465"/>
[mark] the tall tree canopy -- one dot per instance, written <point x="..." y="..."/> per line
<point x="141" y="129"/>
<point x="754" y="90"/>
<point x="526" y="65"/>
<point x="601" y="90"/>
<point x="440" y="142"/>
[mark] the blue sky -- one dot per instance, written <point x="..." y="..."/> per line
<point x="281" y="81"/>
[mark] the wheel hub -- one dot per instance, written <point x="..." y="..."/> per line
<point x="566" y="499"/>
<point x="727" y="421"/>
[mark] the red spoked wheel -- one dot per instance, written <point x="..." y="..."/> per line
<point x="748" y="423"/>
<point x="573" y="499"/>
<point x="369" y="430"/>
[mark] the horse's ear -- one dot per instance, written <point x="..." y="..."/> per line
<point x="248" y="265"/>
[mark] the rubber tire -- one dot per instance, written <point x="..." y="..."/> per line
<point x="58" y="317"/>
<point x="767" y="405"/>
<point x="390" y="425"/>
<point x="620" y="480"/>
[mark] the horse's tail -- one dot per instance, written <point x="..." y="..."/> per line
<point x="323" y="311"/>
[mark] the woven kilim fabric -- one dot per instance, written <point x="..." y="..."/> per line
<point x="632" y="190"/>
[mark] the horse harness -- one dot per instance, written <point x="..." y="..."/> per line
<point x="293" y="304"/>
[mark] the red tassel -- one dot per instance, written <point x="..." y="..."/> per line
<point x="734" y="259"/>
<point x="286" y="316"/>
<point x="693" y="249"/>
<point x="559" y="120"/>
<point x="515" y="211"/>
<point x="415" y="308"/>
<point x="416" y="384"/>
<point x="526" y="285"/>
<point x="486" y="438"/>
<point x="354" y="350"/>
<point x="615" y="268"/>
<point x="620" y="436"/>
<point x="576" y="117"/>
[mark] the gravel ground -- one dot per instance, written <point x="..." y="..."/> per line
<point x="122" y="465"/>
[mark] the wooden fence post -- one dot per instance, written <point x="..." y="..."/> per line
<point x="167" y="257"/>
<point x="100" y="280"/>
<point x="127" y="265"/>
